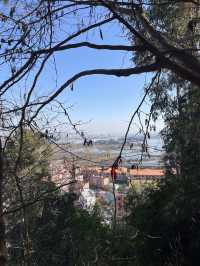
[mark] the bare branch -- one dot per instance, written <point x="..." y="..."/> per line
<point x="94" y="46"/>
<point x="112" y="72"/>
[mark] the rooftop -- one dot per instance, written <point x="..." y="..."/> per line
<point x="146" y="172"/>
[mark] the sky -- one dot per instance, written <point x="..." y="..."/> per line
<point x="104" y="104"/>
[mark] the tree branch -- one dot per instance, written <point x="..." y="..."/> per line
<point x="92" y="45"/>
<point x="110" y="72"/>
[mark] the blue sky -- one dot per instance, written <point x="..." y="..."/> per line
<point x="107" y="102"/>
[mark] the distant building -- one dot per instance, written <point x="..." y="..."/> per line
<point x="121" y="178"/>
<point x="87" y="199"/>
<point x="146" y="173"/>
<point x="94" y="185"/>
<point x="96" y="178"/>
<point x="138" y="177"/>
<point x="120" y="209"/>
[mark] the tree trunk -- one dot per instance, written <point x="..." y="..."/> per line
<point x="3" y="250"/>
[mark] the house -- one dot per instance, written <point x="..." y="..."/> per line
<point x="147" y="176"/>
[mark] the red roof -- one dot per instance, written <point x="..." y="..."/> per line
<point x="147" y="172"/>
<point x="135" y="172"/>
